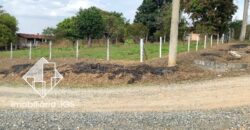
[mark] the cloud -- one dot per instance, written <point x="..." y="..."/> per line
<point x="46" y="7"/>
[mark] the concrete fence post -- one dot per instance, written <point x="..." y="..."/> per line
<point x="189" y="42"/>
<point x="30" y="51"/>
<point x="108" y="49"/>
<point x="223" y="38"/>
<point x="50" y="50"/>
<point x="77" y="49"/>
<point x="205" y="42"/>
<point x="218" y="39"/>
<point x="160" y="51"/>
<point x="141" y="50"/>
<point x="197" y="43"/>
<point x="211" y="40"/>
<point x="11" y="51"/>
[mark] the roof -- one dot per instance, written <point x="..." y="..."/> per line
<point x="34" y="36"/>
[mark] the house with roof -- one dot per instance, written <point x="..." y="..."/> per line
<point x="24" y="40"/>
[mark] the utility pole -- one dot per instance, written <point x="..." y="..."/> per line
<point x="174" y="33"/>
<point x="244" y="22"/>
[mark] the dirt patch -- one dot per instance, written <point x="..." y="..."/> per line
<point x="239" y="46"/>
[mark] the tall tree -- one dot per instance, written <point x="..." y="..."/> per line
<point x="148" y="13"/>
<point x="90" y="24"/>
<point x="210" y="16"/>
<point x="174" y="33"/>
<point x="244" y="22"/>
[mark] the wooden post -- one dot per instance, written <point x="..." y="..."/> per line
<point x="77" y="49"/>
<point x="205" y="42"/>
<point x="11" y="51"/>
<point x="30" y="52"/>
<point x="108" y="58"/>
<point x="50" y="50"/>
<point x="141" y="50"/>
<point x="160" y="55"/>
<point x="197" y="43"/>
<point x="189" y="42"/>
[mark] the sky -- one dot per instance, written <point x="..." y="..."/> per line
<point x="35" y="15"/>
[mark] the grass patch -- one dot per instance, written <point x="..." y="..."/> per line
<point x="117" y="52"/>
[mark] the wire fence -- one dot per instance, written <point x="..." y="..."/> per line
<point x="135" y="52"/>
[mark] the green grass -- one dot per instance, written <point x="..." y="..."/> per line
<point x="117" y="52"/>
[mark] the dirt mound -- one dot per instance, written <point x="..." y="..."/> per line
<point x="116" y="71"/>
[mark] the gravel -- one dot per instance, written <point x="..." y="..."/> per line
<point x="213" y="119"/>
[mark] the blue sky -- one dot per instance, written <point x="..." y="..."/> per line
<point x="35" y="15"/>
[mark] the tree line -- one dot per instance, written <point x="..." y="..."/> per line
<point x="152" y="20"/>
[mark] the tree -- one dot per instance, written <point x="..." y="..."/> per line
<point x="245" y="19"/>
<point x="89" y="24"/>
<point x="164" y="23"/>
<point x="149" y="13"/>
<point x="49" y="31"/>
<point x="8" y="28"/>
<point x="114" y="24"/>
<point x="137" y="31"/>
<point x="235" y="27"/>
<point x="6" y="35"/>
<point x="210" y="16"/>
<point x="174" y="33"/>
<point x="66" y="29"/>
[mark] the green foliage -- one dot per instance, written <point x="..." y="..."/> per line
<point x="236" y="28"/>
<point x="152" y="14"/>
<point x="49" y="31"/>
<point x="66" y="29"/>
<point x="6" y="35"/>
<point x="137" y="31"/>
<point x="89" y="23"/>
<point x="210" y="16"/>
<point x="8" y="28"/>
<point x="114" y="25"/>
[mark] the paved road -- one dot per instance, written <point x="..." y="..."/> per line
<point x="215" y="104"/>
